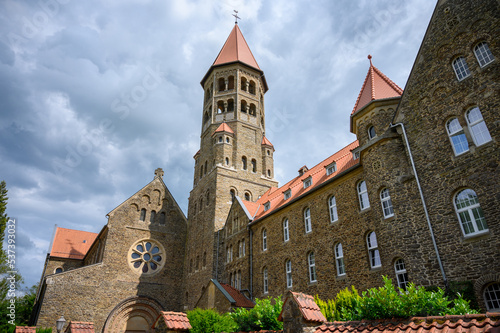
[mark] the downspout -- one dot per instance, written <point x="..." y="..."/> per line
<point x="217" y="258"/>
<point x="423" y="202"/>
<point x="250" y="236"/>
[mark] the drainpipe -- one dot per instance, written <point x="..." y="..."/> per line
<point x="423" y="202"/>
<point x="250" y="234"/>
<point x="217" y="258"/>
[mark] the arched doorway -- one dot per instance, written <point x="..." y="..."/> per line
<point x="133" y="315"/>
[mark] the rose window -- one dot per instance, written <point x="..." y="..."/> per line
<point x="146" y="257"/>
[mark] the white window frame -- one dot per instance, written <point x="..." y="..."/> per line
<point x="286" y="230"/>
<point x="332" y="207"/>
<point x="264" y="240"/>
<point x="477" y="127"/>
<point x="470" y="215"/>
<point x="364" y="201"/>
<point x="401" y="274"/>
<point x="265" y="280"/>
<point x="287" y="194"/>
<point x="267" y="205"/>
<point x="385" y="200"/>
<point x="288" y="270"/>
<point x="339" y="260"/>
<point x="331" y="168"/>
<point x="228" y="254"/>
<point x="455" y="130"/>
<point x="483" y="54"/>
<point x="243" y="247"/>
<point x="307" y="182"/>
<point x="312" y="267"/>
<point x="307" y="220"/>
<point x="373" y="252"/>
<point x="460" y="68"/>
<point x="491" y="296"/>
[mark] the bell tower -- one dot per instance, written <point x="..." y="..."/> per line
<point x="235" y="157"/>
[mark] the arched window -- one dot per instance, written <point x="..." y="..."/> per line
<point x="152" y="216"/>
<point x="201" y="171"/>
<point x="228" y="255"/>
<point x="339" y="259"/>
<point x="143" y="215"/>
<point x="232" y="192"/>
<point x="460" y="67"/>
<point x="205" y="168"/>
<point x="288" y="271"/>
<point x="227" y="160"/>
<point x="332" y="204"/>
<point x="264" y="240"/>
<point x="222" y="84"/>
<point x="207" y="196"/>
<point x="162" y="218"/>
<point x="252" y="110"/>
<point x="244" y="84"/>
<point x="244" y="106"/>
<point x="286" y="234"/>
<point x="312" y="267"/>
<point x="230" y="83"/>
<point x="385" y="199"/>
<point x="364" y="203"/>
<point x="265" y="281"/>
<point x="401" y="275"/>
<point x="220" y="107"/>
<point x="254" y="165"/>
<point x="58" y="270"/>
<point x="477" y="126"/>
<point x="373" y="252"/>
<point x="371" y="132"/>
<point x="230" y="105"/>
<point x="238" y="281"/>
<point x="247" y="196"/>
<point x="244" y="163"/>
<point x="307" y="220"/>
<point x="457" y="136"/>
<point x="483" y="54"/>
<point x="470" y="213"/>
<point x="492" y="297"/>
<point x="251" y="88"/>
<point x="269" y="172"/>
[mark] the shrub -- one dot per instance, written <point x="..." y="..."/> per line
<point x="209" y="320"/>
<point x="263" y="316"/>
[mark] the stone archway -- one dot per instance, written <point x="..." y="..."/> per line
<point x="136" y="314"/>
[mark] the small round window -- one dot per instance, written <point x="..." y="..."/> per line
<point x="146" y="257"/>
<point x="58" y="270"/>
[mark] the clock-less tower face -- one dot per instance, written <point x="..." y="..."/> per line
<point x="146" y="257"/>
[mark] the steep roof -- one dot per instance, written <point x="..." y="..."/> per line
<point x="80" y="327"/>
<point x="266" y="142"/>
<point x="240" y="300"/>
<point x="471" y="323"/>
<point x="174" y="320"/>
<point x="376" y="86"/>
<point x="72" y="244"/>
<point x="343" y="160"/>
<point x="223" y="128"/>
<point x="236" y="49"/>
<point x="308" y="308"/>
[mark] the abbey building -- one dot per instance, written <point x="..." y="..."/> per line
<point x="415" y="197"/>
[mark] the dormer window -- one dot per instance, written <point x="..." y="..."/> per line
<point x="287" y="194"/>
<point x="267" y="205"/>
<point x="331" y="168"/>
<point x="307" y="182"/>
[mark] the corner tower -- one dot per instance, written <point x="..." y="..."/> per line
<point x="235" y="157"/>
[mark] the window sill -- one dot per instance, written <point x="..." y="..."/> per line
<point x="341" y="277"/>
<point x="365" y="210"/>
<point x="476" y="236"/>
<point x="313" y="283"/>
<point x="375" y="269"/>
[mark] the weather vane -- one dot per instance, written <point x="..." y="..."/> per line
<point x="236" y="17"/>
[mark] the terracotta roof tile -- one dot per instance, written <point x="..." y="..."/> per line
<point x="25" y="329"/>
<point x="308" y="307"/>
<point x="73" y="244"/>
<point x="223" y="128"/>
<point x="474" y="323"/>
<point x="175" y="320"/>
<point x="241" y="300"/>
<point x="251" y="206"/>
<point x="376" y="86"/>
<point x="236" y="49"/>
<point x="343" y="160"/>
<point x="265" y="142"/>
<point x="80" y="327"/>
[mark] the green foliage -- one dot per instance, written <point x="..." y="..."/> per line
<point x="44" y="330"/>
<point x="327" y="308"/>
<point x="391" y="302"/>
<point x="263" y="316"/>
<point x="23" y="307"/>
<point x="209" y="320"/>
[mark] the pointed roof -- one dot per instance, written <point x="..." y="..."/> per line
<point x="72" y="244"/>
<point x="265" y="142"/>
<point x="240" y="300"/>
<point x="223" y="128"/>
<point x="376" y="86"/>
<point x="236" y="49"/>
<point x="176" y="321"/>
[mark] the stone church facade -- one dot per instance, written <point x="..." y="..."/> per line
<point x="415" y="197"/>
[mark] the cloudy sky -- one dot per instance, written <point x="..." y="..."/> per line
<point x="94" y="95"/>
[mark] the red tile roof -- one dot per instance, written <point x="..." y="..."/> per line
<point x="25" y="329"/>
<point x="241" y="300"/>
<point x="308" y="307"/>
<point x="343" y="160"/>
<point x="174" y="320"/>
<point x="223" y="128"/>
<point x="236" y="49"/>
<point x="251" y="207"/>
<point x="475" y="323"/>
<point x="73" y="244"/>
<point x="376" y="86"/>
<point x="265" y="142"/>
<point x="80" y="327"/>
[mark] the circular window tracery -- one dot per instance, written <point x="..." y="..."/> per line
<point x="146" y="256"/>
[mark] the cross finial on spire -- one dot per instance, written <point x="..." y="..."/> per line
<point x="370" y="58"/>
<point x="236" y="17"/>
<point x="159" y="173"/>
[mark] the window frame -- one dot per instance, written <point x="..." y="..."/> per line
<point x="362" y="195"/>
<point x="331" y="168"/>
<point x="287" y="194"/>
<point x="456" y="133"/>
<point x="485" y="53"/>
<point x="471" y="210"/>
<point x="267" y="206"/>
<point x="401" y="273"/>
<point x="370" y="134"/>
<point x="288" y="274"/>
<point x="386" y="203"/>
<point x="339" y="259"/>
<point x="264" y="239"/>
<point x="474" y="124"/>
<point x="265" y="278"/>
<point x="332" y="208"/>
<point x="307" y="220"/>
<point x="307" y="182"/>
<point x="489" y="302"/>
<point x="373" y="250"/>
<point x="286" y="230"/>
<point x="311" y="263"/>
<point x="461" y="68"/>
